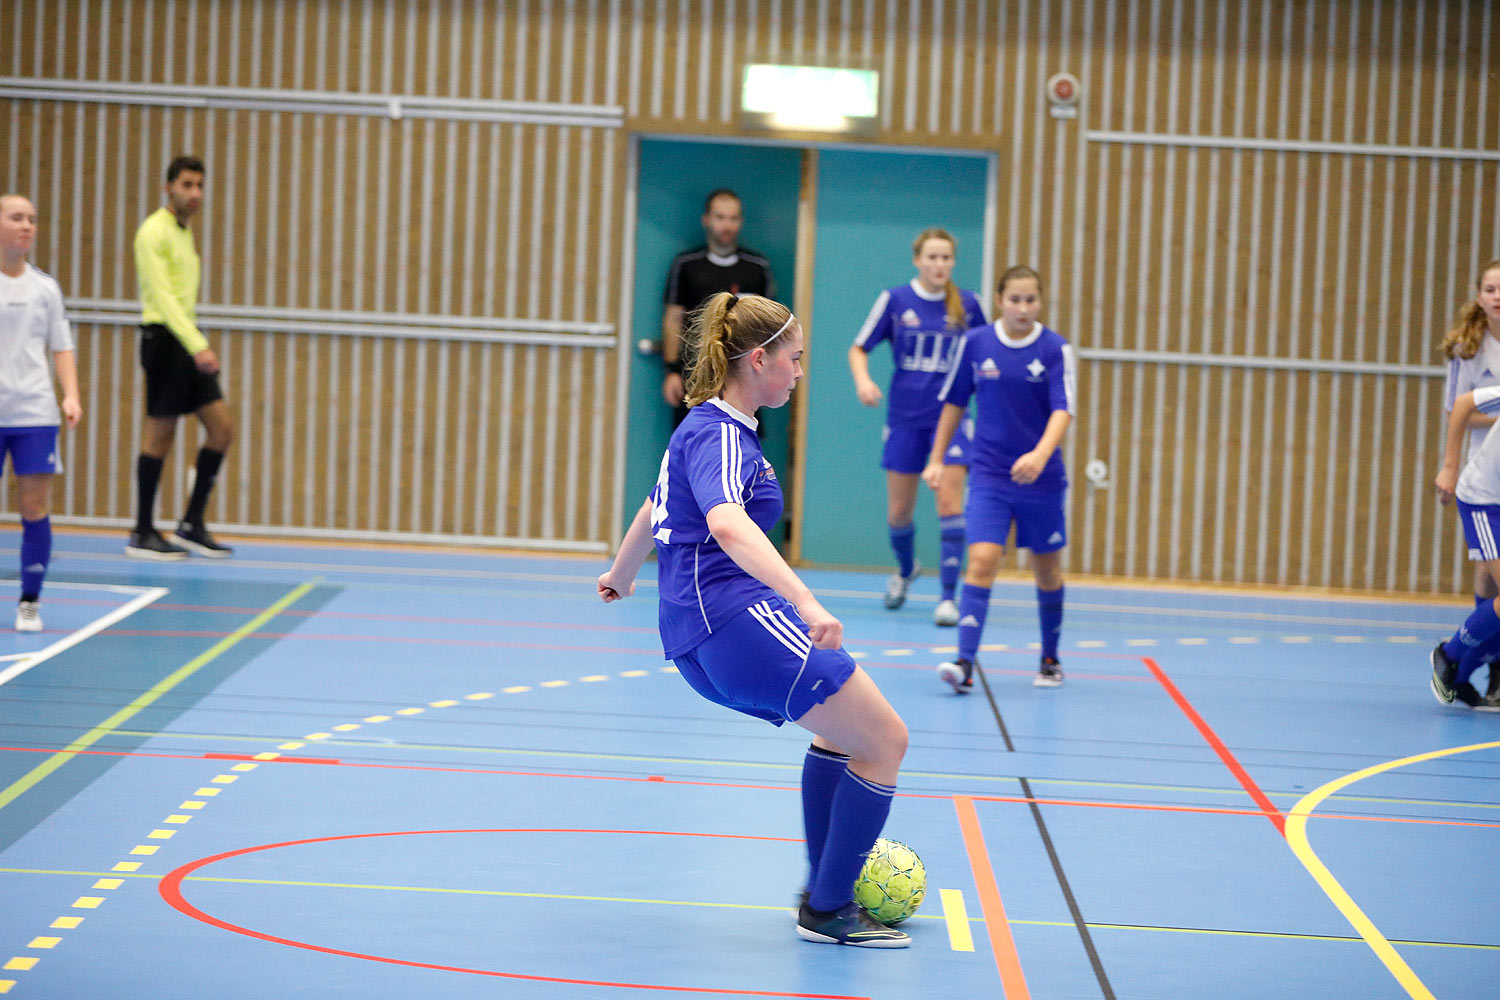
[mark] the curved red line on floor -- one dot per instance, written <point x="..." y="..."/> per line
<point x="170" y="888"/>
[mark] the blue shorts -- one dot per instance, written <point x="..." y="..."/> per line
<point x="906" y="448"/>
<point x="32" y="450"/>
<point x="1041" y="522"/>
<point x="762" y="663"/>
<point x="1481" y="526"/>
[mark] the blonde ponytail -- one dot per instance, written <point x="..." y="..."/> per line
<point x="723" y="329"/>
<point x="1467" y="333"/>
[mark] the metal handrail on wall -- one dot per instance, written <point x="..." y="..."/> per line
<point x="393" y="106"/>
<point x="349" y="322"/>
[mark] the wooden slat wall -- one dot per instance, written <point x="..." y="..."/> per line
<point x="1217" y="473"/>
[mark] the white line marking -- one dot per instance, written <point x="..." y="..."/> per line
<point x="88" y="631"/>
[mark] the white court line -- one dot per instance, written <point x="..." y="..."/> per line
<point x="93" y="628"/>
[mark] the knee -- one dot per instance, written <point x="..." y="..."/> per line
<point x="221" y="437"/>
<point x="1049" y="577"/>
<point x="983" y="565"/>
<point x="894" y="741"/>
<point x="33" y="508"/>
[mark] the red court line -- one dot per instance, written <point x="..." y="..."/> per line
<point x="656" y="778"/>
<point x="170" y="888"/>
<point x="1007" y="961"/>
<point x="1267" y="807"/>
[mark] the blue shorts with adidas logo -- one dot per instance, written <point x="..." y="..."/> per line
<point x="762" y="663"/>
<point x="1040" y="520"/>
<point x="33" y="450"/>
<point x="905" y="449"/>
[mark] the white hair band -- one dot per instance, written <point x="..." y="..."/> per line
<point x="767" y="341"/>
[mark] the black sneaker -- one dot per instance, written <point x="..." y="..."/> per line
<point x="851" y="924"/>
<point x="1444" y="673"/>
<point x="1049" y="674"/>
<point x="151" y="545"/>
<point x="195" y="538"/>
<point x="1492" y="691"/>
<point x="959" y="675"/>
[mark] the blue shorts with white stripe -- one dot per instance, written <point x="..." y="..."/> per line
<point x="762" y="663"/>
<point x="1481" y="524"/>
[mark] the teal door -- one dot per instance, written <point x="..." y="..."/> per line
<point x="674" y="178"/>
<point x="871" y="205"/>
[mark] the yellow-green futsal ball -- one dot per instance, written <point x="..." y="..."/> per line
<point x="892" y="883"/>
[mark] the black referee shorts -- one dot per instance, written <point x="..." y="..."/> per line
<point x="174" y="385"/>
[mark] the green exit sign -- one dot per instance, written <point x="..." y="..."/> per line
<point x="811" y="98"/>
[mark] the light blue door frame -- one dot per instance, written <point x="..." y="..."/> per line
<point x="870" y="205"/>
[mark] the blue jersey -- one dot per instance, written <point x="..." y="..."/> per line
<point x="925" y="343"/>
<point x="1019" y="383"/>
<point x="714" y="457"/>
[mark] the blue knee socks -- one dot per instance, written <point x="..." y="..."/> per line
<point x="904" y="544"/>
<point x="858" y="813"/>
<point x="973" y="605"/>
<point x="952" y="537"/>
<point x="822" y="770"/>
<point x="1478" y="627"/>
<point x="36" y="553"/>
<point x="1049" y="605"/>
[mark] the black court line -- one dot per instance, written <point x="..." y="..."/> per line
<point x="1057" y="868"/>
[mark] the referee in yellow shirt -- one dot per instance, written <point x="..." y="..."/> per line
<point x="181" y="369"/>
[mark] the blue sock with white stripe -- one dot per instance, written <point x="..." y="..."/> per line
<point x="1479" y="626"/>
<point x="860" y="807"/>
<point x="822" y="770"/>
<point x="1049" y="606"/>
<point x="904" y="544"/>
<point x="952" y="536"/>
<point x="36" y="553"/>
<point x="973" y="605"/>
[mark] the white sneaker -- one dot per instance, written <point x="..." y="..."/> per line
<point x="28" y="617"/>
<point x="945" y="614"/>
<point x="896" y="586"/>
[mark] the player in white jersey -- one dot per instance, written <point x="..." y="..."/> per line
<point x="1477" y="490"/>
<point x="1472" y="348"/>
<point x="744" y="631"/>
<point x="32" y="323"/>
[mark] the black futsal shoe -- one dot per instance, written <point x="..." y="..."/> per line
<point x="151" y="545"/>
<point x="1049" y="674"/>
<point x="1444" y="673"/>
<point x="851" y="924"/>
<point x="195" y="538"/>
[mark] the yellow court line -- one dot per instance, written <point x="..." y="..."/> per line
<point x="161" y="687"/>
<point x="960" y="934"/>
<point x="946" y="916"/>
<point x="1296" y="836"/>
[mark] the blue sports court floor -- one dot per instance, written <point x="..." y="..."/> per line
<point x="320" y="771"/>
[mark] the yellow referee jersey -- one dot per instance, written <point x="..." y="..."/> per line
<point x="166" y="268"/>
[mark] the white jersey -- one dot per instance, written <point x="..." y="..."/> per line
<point x="1468" y="374"/>
<point x="1479" y="483"/>
<point x="32" y="322"/>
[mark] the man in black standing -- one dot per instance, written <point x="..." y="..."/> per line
<point x="720" y="265"/>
